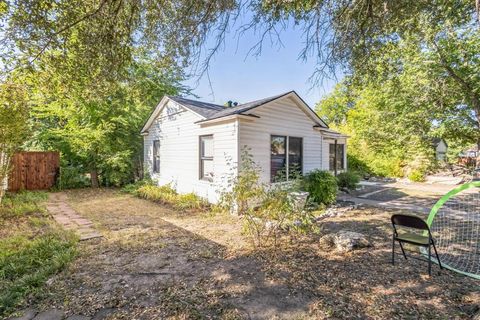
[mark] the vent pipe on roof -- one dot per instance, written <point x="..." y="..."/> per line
<point x="230" y="103"/>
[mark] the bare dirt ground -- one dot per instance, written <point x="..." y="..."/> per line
<point x="155" y="263"/>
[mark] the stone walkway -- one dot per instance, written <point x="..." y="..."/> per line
<point x="65" y="215"/>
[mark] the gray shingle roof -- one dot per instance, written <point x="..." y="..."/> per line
<point x="204" y="109"/>
<point x="245" y="106"/>
<point x="214" y="111"/>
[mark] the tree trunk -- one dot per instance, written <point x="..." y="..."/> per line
<point x="4" y="171"/>
<point x="94" y="178"/>
<point x="2" y="194"/>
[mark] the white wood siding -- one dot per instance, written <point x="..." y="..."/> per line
<point x="282" y="117"/>
<point x="179" y="150"/>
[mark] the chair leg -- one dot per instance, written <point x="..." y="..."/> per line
<point x="403" y="251"/>
<point x="436" y="254"/>
<point x="393" y="250"/>
<point x="429" y="260"/>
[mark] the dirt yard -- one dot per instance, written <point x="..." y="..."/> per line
<point x="154" y="263"/>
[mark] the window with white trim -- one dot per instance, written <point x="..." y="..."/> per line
<point x="283" y="168"/>
<point x="206" y="158"/>
<point x="156" y="156"/>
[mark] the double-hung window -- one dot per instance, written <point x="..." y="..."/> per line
<point x="206" y="157"/>
<point x="156" y="156"/>
<point x="283" y="167"/>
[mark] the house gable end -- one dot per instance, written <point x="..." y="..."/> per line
<point x="160" y="108"/>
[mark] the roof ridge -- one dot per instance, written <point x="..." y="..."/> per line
<point x="197" y="101"/>
<point x="267" y="98"/>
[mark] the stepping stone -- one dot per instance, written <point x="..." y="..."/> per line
<point x="103" y="313"/>
<point x="66" y="216"/>
<point x="90" y="236"/>
<point x="53" y="314"/>
<point x="27" y="314"/>
<point x="78" y="317"/>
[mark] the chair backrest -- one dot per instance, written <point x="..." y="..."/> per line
<point x="409" y="221"/>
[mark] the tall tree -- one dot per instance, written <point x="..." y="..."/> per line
<point x="14" y="126"/>
<point x="99" y="132"/>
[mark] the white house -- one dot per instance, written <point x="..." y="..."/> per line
<point x="194" y="145"/>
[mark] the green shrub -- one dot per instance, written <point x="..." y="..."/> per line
<point x="189" y="201"/>
<point x="163" y="194"/>
<point x="72" y="177"/>
<point x="357" y="165"/>
<point x="167" y="195"/>
<point x="416" y="176"/>
<point x="133" y="187"/>
<point x="321" y="185"/>
<point x="348" y="180"/>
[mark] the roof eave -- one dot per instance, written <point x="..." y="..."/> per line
<point x="250" y="117"/>
<point x="330" y="133"/>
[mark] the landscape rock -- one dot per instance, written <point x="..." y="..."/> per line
<point x="26" y="314"/>
<point x="344" y="241"/>
<point x="103" y="313"/>
<point x="78" y="317"/>
<point x="338" y="209"/>
<point x="52" y="314"/>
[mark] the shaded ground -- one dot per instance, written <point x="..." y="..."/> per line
<point x="156" y="263"/>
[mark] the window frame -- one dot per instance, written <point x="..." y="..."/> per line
<point x="156" y="156"/>
<point x="202" y="158"/>
<point x="287" y="156"/>
<point x="338" y="162"/>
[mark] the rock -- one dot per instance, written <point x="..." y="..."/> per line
<point x="338" y="209"/>
<point x="26" y="314"/>
<point x="52" y="314"/>
<point x="103" y="313"/>
<point x="344" y="241"/>
<point x="78" y="317"/>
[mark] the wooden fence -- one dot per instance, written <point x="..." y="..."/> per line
<point x="34" y="170"/>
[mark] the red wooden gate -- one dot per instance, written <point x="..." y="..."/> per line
<point x="34" y="170"/>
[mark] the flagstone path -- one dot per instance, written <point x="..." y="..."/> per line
<point x="65" y="215"/>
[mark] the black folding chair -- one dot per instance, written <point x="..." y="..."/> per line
<point x="419" y="238"/>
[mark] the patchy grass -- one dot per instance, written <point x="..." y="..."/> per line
<point x="159" y="263"/>
<point x="32" y="247"/>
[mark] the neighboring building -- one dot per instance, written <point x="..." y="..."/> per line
<point x="470" y="157"/>
<point x="195" y="145"/>
<point x="441" y="149"/>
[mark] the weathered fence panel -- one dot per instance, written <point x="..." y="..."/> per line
<point x="34" y="170"/>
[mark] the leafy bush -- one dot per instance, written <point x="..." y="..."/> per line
<point x="72" y="177"/>
<point x="321" y="185"/>
<point x="133" y="187"/>
<point x="348" y="180"/>
<point x="167" y="195"/>
<point x="267" y="211"/>
<point x="243" y="191"/>
<point x="416" y="176"/>
<point x="357" y="165"/>
<point x="189" y="201"/>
